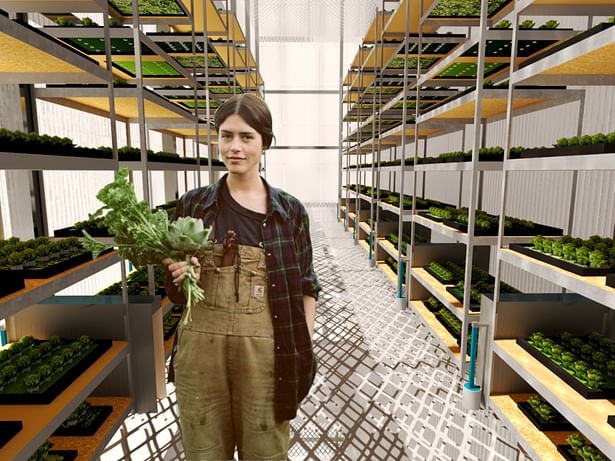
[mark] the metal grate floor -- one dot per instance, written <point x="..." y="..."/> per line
<point x="385" y="389"/>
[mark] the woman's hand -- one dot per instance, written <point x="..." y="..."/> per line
<point x="178" y="269"/>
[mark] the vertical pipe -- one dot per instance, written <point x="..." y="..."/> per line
<point x="207" y="100"/>
<point x="503" y="192"/>
<point x="473" y="182"/>
<point x="341" y="111"/>
<point x="404" y="115"/>
<point x="109" y="58"/>
<point x="416" y="146"/>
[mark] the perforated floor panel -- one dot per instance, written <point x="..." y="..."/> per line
<point x="385" y="389"/>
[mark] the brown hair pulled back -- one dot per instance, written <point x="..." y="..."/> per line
<point x="252" y="109"/>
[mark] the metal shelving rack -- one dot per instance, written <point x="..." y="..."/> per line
<point x="575" y="64"/>
<point x="134" y="366"/>
<point x="538" y="79"/>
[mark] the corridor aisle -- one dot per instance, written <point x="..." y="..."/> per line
<point x="385" y="390"/>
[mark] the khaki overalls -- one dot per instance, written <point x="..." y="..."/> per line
<point x="224" y="364"/>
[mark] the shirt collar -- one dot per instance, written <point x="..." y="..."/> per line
<point x="273" y="196"/>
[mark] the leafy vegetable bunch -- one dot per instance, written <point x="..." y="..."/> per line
<point x="146" y="237"/>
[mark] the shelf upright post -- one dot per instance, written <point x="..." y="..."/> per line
<point x="480" y="77"/>
<point x="374" y="223"/>
<point x="487" y="354"/>
<point x="341" y="112"/>
<point x="355" y="229"/>
<point x="136" y="34"/>
<point x="379" y="131"/>
<point x="416" y="149"/>
<point x="108" y="57"/>
<point x="404" y="115"/>
<point x="348" y="144"/>
<point x="207" y="99"/>
<point x="247" y="48"/>
<point x="195" y="92"/>
<point x="233" y="44"/>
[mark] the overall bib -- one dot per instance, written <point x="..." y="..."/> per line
<point x="224" y="364"/>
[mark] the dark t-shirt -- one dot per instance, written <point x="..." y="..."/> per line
<point x="232" y="216"/>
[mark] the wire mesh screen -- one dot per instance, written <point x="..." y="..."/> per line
<point x="313" y="20"/>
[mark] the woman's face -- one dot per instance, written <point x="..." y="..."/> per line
<point x="241" y="146"/>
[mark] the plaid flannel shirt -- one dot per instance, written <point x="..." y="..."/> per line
<point x="287" y="243"/>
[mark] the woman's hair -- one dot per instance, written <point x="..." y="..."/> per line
<point x="252" y="109"/>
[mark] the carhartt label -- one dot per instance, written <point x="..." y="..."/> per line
<point x="259" y="291"/>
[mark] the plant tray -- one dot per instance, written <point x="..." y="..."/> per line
<point x="67" y="455"/>
<point x="12" y="281"/>
<point x="103" y="413"/>
<point x="539" y="229"/>
<point x="526" y="409"/>
<point x="567" y="452"/>
<point x="610" y="280"/>
<point x="431" y="217"/>
<point x="61" y="382"/>
<point x="8" y="429"/>
<point x="72" y="232"/>
<point x="174" y="326"/>
<point x="56" y="268"/>
<point x="452" y="281"/>
<point x="595" y="393"/>
<point x="565" y="44"/>
<point x="431" y="309"/>
<point x="585" y="149"/>
<point x="611" y="420"/>
<point x="448" y="328"/>
<point x="561" y="263"/>
<point x="458" y="294"/>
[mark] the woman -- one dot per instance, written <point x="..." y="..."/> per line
<point x="245" y="361"/>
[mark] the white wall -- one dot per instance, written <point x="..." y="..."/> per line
<point x="307" y="120"/>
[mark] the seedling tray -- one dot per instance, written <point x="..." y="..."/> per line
<point x="8" y="429"/>
<point x="539" y="229"/>
<point x="431" y="217"/>
<point x="561" y="263"/>
<point x="458" y="294"/>
<point x="67" y="455"/>
<point x="60" y="382"/>
<point x="73" y="232"/>
<point x="526" y="409"/>
<point x="595" y="393"/>
<point x="431" y="309"/>
<point x="585" y="149"/>
<point x="448" y="328"/>
<point x="57" y="267"/>
<point x="452" y="281"/>
<point x="567" y="452"/>
<point x="12" y="281"/>
<point x="610" y="280"/>
<point x="103" y="413"/>
<point x="611" y="420"/>
<point x="176" y="318"/>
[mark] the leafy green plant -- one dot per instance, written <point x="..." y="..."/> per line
<point x="88" y="22"/>
<point x="144" y="237"/>
<point x="550" y="24"/>
<point x="544" y="410"/>
<point x="63" y="21"/>
<point x="527" y="24"/>
<point x="503" y="24"/>
<point x="584" y="450"/>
